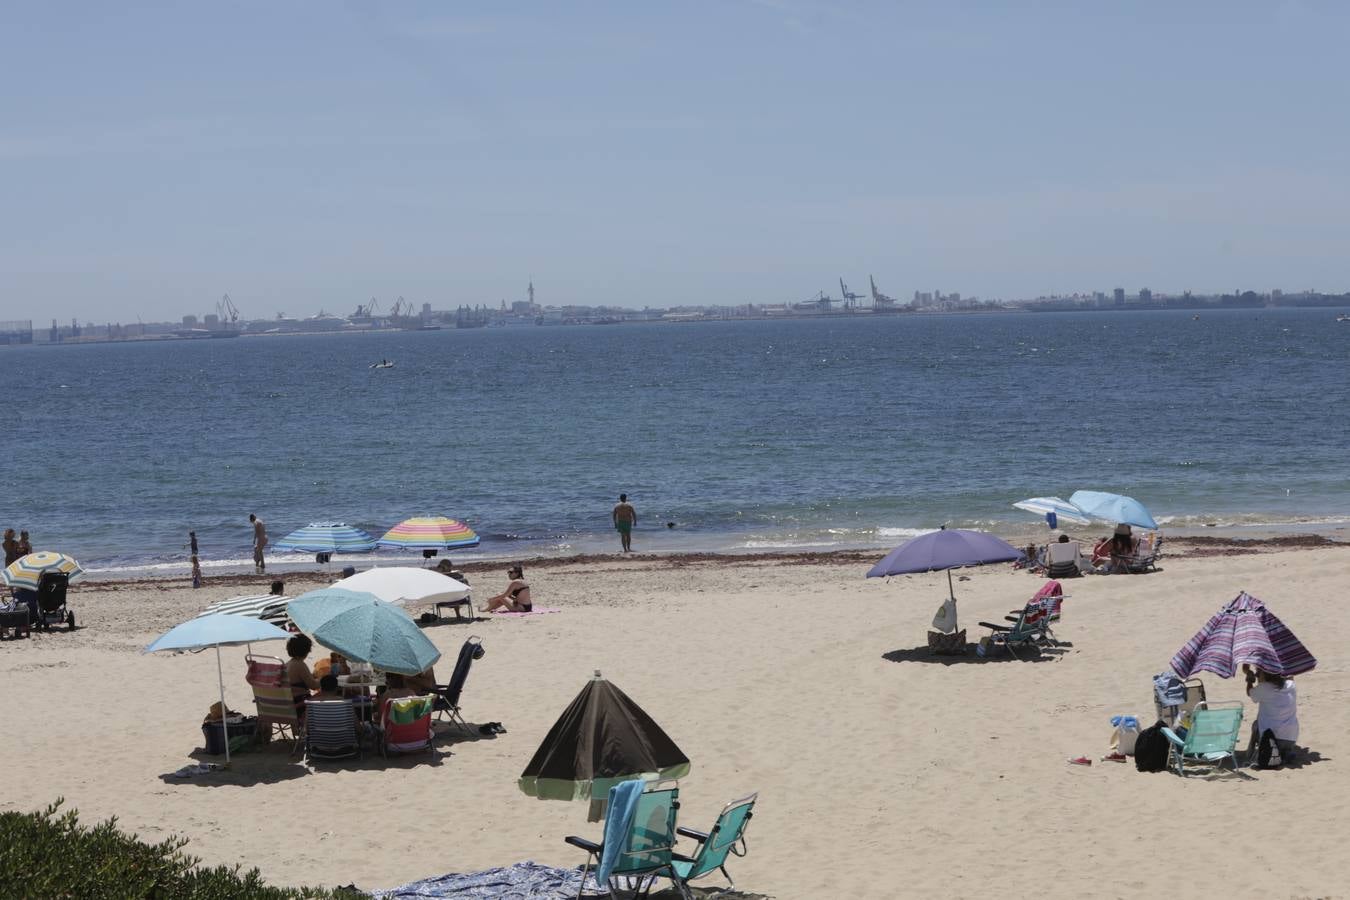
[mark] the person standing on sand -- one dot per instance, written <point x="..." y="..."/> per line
<point x="259" y="542"/>
<point x="625" y="517"/>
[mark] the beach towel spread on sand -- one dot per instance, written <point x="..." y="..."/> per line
<point x="537" y="611"/>
<point x="623" y="798"/>
<point x="524" y="879"/>
<point x="407" y="710"/>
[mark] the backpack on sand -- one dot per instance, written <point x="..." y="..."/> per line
<point x="1151" y="749"/>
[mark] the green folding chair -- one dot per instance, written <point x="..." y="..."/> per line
<point x="726" y="838"/>
<point x="1211" y="739"/>
<point x="648" y="847"/>
<point x="1026" y="631"/>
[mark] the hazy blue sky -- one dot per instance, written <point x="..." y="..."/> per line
<point x="307" y="155"/>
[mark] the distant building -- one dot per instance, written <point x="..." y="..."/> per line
<point x="1145" y="295"/>
<point x="189" y="321"/>
<point x="1119" y="294"/>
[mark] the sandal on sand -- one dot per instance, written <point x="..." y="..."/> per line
<point x="1080" y="761"/>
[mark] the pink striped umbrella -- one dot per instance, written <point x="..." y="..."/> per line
<point x="1244" y="631"/>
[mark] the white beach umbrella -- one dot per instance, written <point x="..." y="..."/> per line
<point x="1061" y="508"/>
<point x="406" y="584"/>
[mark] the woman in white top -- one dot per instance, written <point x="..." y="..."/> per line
<point x="1277" y="709"/>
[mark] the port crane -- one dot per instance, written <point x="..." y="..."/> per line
<point x="368" y="311"/>
<point x="227" y="311"/>
<point x="878" y="298"/>
<point x="849" y="297"/>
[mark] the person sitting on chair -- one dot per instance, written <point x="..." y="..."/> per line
<point x="516" y="597"/>
<point x="423" y="682"/>
<point x="1277" y="710"/>
<point x="328" y="689"/>
<point x="298" y="675"/>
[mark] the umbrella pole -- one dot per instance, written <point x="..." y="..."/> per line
<point x="950" y="589"/>
<point x="224" y="726"/>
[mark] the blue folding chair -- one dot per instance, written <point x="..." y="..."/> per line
<point x="726" y="838"/>
<point x="648" y="847"/>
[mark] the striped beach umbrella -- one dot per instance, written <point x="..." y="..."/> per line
<point x="26" y="571"/>
<point x="327" y="537"/>
<point x="429" y="533"/>
<point x="1244" y="631"/>
<point x="1054" y="506"/>
<point x="268" y="607"/>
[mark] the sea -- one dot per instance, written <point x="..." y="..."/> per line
<point x="731" y="437"/>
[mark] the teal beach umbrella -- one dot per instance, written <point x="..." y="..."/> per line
<point x="363" y="627"/>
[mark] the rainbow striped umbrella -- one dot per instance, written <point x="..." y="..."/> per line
<point x="26" y="571"/>
<point x="430" y="533"/>
<point x="327" y="537"/>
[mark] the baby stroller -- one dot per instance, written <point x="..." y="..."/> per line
<point x="51" y="602"/>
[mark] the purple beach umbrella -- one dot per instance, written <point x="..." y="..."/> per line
<point x="945" y="549"/>
<point x="1244" y="631"/>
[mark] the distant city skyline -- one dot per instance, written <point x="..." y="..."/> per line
<point x="309" y="156"/>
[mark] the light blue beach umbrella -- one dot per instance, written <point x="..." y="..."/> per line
<point x="327" y="537"/>
<point x="1053" y="506"/>
<point x="1113" y="508"/>
<point x="363" y="627"/>
<point x="217" y="630"/>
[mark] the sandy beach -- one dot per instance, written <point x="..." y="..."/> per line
<point x="881" y="771"/>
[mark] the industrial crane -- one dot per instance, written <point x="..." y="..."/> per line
<point x="849" y="296"/>
<point x="878" y="298"/>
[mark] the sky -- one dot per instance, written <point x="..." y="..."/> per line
<point x="305" y="156"/>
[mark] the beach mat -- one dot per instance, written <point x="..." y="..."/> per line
<point x="537" y="611"/>
<point x="527" y="880"/>
<point x="524" y="879"/>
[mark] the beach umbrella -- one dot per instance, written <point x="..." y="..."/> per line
<point x="602" y="738"/>
<point x="216" y="630"/>
<point x="268" y="607"/>
<point x="327" y="537"/>
<point x="1113" y="508"/>
<point x="406" y="584"/>
<point x="946" y="548"/>
<point x="363" y="627"/>
<point x="1243" y="631"/>
<point x="429" y="533"/>
<point x="1053" y="507"/>
<point x="26" y="571"/>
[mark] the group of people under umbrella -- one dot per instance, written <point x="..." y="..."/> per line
<point x="1243" y="635"/>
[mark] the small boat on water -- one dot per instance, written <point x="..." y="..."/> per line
<point x="1343" y="317"/>
<point x="382" y="364"/>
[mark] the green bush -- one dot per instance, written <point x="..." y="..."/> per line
<point x="49" y="855"/>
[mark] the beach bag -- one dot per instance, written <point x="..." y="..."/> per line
<point x="1126" y="734"/>
<point x="1151" y="748"/>
<point x="945" y="620"/>
<point x="1268" y="751"/>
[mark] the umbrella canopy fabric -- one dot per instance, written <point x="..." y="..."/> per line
<point x="26" y="571"/>
<point x="406" y="584"/>
<point x="363" y="627"/>
<point x="944" y="549"/>
<point x="1056" y="506"/>
<point x="1244" y="631"/>
<point x="216" y="630"/>
<point x="602" y="738"/>
<point x="1113" y="508"/>
<point x="429" y="533"/>
<point x="268" y="607"/>
<point x="327" y="537"/>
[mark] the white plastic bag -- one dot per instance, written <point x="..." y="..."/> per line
<point x="945" y="620"/>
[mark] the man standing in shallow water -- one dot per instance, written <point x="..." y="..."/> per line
<point x="625" y="517"/>
<point x="259" y="542"/>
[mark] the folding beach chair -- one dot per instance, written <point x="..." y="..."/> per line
<point x="726" y="838"/>
<point x="1061" y="559"/>
<point x="51" y="602"/>
<point x="1050" y="598"/>
<point x="1145" y="556"/>
<point x="648" y="849"/>
<point x="1211" y="739"/>
<point x="331" y="730"/>
<point x="1171" y="713"/>
<point x="447" y="696"/>
<point x="1025" y="631"/>
<point x="272" y="696"/>
<point x="405" y="725"/>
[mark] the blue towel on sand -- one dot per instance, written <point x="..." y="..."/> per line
<point x="623" y="798"/>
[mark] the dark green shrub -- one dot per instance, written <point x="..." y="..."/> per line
<point x="53" y="856"/>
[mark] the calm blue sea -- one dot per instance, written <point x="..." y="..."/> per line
<point x="746" y="435"/>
